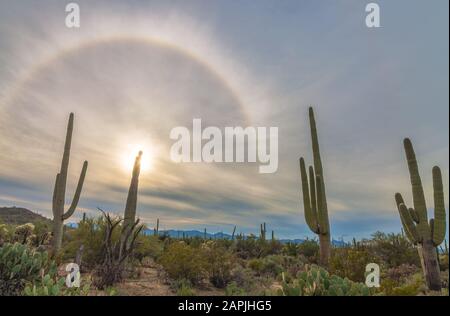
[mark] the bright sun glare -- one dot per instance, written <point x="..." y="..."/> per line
<point x="129" y="156"/>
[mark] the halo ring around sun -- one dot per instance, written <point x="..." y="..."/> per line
<point x="29" y="75"/>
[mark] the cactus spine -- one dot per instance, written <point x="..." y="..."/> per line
<point x="131" y="204"/>
<point x="314" y="197"/>
<point x="59" y="192"/>
<point x="426" y="235"/>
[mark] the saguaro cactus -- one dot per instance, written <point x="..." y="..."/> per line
<point x="131" y="204"/>
<point x="426" y="235"/>
<point x="156" y="231"/>
<point x="234" y="232"/>
<point x="59" y="192"/>
<point x="314" y="197"/>
<point x="263" y="231"/>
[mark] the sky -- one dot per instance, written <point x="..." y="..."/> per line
<point x="136" y="69"/>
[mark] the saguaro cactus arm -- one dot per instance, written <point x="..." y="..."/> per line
<point x="310" y="210"/>
<point x="408" y="223"/>
<point x="417" y="190"/>
<point x="318" y="171"/>
<point x="55" y="195"/>
<point x="315" y="143"/>
<point x="322" y="215"/>
<point x="76" y="197"/>
<point x="440" y="223"/>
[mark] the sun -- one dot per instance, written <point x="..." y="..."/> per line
<point x="129" y="155"/>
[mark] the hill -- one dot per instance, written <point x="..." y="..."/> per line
<point x="18" y="216"/>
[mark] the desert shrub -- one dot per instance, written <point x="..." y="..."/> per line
<point x="310" y="250"/>
<point x="20" y="265"/>
<point x="90" y="233"/>
<point x="233" y="289"/>
<point x="249" y="247"/>
<point x="272" y="247"/>
<point x="147" y="246"/>
<point x="393" y="249"/>
<point x="401" y="273"/>
<point x="274" y="265"/>
<point x="219" y="263"/>
<point x="350" y="263"/>
<point x="243" y="278"/>
<point x="315" y="281"/>
<point x="257" y="265"/>
<point x="290" y="249"/>
<point x="412" y="287"/>
<point x="184" y="288"/>
<point x="182" y="261"/>
<point x="253" y="247"/>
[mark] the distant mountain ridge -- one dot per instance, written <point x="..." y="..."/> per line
<point x="195" y="233"/>
<point x="19" y="216"/>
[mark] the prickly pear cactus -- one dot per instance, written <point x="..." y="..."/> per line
<point x="20" y="265"/>
<point x="315" y="281"/>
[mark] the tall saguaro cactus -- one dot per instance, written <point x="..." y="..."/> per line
<point x="59" y="192"/>
<point x="314" y="197"/>
<point x="130" y="207"/>
<point x="427" y="235"/>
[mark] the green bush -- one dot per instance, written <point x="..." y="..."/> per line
<point x="243" y="278"/>
<point x="233" y="289"/>
<point x="147" y="246"/>
<point x="290" y="249"/>
<point x="182" y="261"/>
<point x="411" y="287"/>
<point x="393" y="249"/>
<point x="253" y="247"/>
<point x="184" y="288"/>
<point x="310" y="250"/>
<point x="91" y="234"/>
<point x="219" y="263"/>
<point x="270" y="265"/>
<point x="315" y="281"/>
<point x="350" y="263"/>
